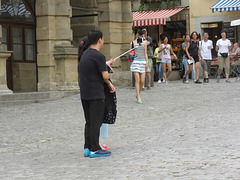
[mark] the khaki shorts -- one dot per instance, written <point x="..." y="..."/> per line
<point x="221" y="62"/>
<point x="206" y="65"/>
<point x="150" y="65"/>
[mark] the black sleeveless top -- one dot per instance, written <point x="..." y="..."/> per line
<point x="193" y="48"/>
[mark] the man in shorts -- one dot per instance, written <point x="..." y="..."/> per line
<point x="150" y="56"/>
<point x="206" y="47"/>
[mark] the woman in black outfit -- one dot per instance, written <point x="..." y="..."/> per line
<point x="193" y="52"/>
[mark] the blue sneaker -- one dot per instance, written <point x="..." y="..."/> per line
<point x="86" y="152"/>
<point x="99" y="153"/>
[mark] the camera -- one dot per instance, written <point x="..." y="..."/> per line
<point x="139" y="41"/>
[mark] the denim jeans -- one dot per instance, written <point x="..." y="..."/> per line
<point x="186" y="67"/>
<point x="159" y="70"/>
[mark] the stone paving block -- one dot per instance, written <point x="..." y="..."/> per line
<point x="180" y="132"/>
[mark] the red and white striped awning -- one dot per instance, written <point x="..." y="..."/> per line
<point x="153" y="18"/>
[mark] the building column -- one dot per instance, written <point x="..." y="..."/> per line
<point x="56" y="59"/>
<point x="116" y="24"/>
<point x="3" y="73"/>
<point x="4" y="54"/>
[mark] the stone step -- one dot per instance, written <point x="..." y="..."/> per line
<point x="33" y="97"/>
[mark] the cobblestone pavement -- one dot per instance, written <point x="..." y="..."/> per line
<point x="179" y="132"/>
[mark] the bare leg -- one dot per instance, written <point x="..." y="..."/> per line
<point x="189" y="70"/>
<point x="227" y="67"/>
<point x="205" y="74"/>
<point x="142" y="80"/>
<point x="169" y="65"/>
<point x="197" y="70"/>
<point x="206" y="67"/>
<point x="149" y="78"/>
<point x="137" y="84"/>
<point x="164" y="71"/>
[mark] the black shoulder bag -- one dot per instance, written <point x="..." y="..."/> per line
<point x="224" y="55"/>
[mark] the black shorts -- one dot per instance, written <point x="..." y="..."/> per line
<point x="196" y="58"/>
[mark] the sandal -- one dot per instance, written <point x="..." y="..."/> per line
<point x="104" y="147"/>
<point x="139" y="101"/>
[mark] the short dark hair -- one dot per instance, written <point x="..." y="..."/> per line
<point x="205" y="32"/>
<point x="94" y="36"/>
<point x="139" y="31"/>
<point x="165" y="36"/>
<point x="224" y="31"/>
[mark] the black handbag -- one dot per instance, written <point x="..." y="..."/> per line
<point x="224" y="55"/>
<point x="110" y="113"/>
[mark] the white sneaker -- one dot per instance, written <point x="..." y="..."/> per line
<point x="163" y="81"/>
<point x="167" y="82"/>
<point x="187" y="81"/>
<point x="159" y="81"/>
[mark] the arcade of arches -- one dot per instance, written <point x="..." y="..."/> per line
<point x="38" y="50"/>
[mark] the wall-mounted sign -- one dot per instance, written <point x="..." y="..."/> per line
<point x="205" y="26"/>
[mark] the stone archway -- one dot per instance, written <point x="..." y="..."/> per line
<point x="17" y="31"/>
<point x="18" y="27"/>
<point x="114" y="19"/>
<point x="57" y="59"/>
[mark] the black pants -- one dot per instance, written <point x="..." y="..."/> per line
<point x="94" y="113"/>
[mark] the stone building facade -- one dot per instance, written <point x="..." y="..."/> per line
<point x="49" y="53"/>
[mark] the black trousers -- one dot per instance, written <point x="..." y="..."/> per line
<point x="94" y="114"/>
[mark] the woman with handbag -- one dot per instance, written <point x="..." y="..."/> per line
<point x="223" y="46"/>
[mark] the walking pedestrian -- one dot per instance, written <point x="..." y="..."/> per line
<point x="93" y="73"/>
<point x="193" y="53"/>
<point x="158" y="57"/>
<point x="166" y="50"/>
<point x="206" y="47"/>
<point x="140" y="63"/>
<point x="185" y="62"/>
<point x="223" y="46"/>
<point x="150" y="56"/>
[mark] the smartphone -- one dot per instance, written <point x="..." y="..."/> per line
<point x="139" y="40"/>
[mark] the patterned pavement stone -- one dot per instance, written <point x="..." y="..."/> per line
<point x="181" y="131"/>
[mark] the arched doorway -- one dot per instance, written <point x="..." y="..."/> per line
<point x="17" y="18"/>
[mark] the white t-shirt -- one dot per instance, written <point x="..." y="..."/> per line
<point x="206" y="48"/>
<point x="223" y="46"/>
